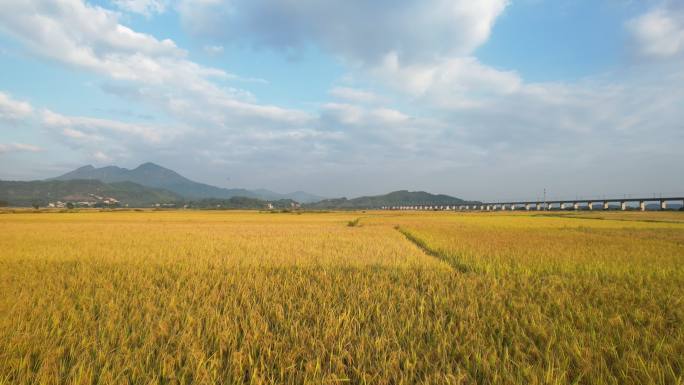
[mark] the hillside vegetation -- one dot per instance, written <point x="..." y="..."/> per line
<point x="41" y="192"/>
<point x="396" y="198"/>
<point x="236" y="203"/>
<point x="155" y="176"/>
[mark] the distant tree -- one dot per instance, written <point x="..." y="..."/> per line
<point x="3" y="204"/>
<point x="70" y="205"/>
<point x="35" y="205"/>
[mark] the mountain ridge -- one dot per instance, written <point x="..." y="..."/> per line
<point x="394" y="198"/>
<point x="157" y="177"/>
<point x="41" y="193"/>
<point x="152" y="175"/>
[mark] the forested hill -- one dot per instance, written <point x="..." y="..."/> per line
<point x="396" y="198"/>
<point x="42" y="193"/>
<point x="155" y="176"/>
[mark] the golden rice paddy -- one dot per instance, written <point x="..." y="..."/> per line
<point x="190" y="297"/>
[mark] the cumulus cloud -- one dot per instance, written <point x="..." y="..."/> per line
<point x="450" y="82"/>
<point x="12" y="110"/>
<point x="92" y="38"/>
<point x="660" y="32"/>
<point x="95" y="137"/>
<point x="351" y="114"/>
<point x="141" y="67"/>
<point x="19" y="147"/>
<point x="422" y="48"/>
<point x="354" y="95"/>
<point x="389" y="115"/>
<point x="87" y="128"/>
<point x="144" y="7"/>
<point x="360" y="31"/>
<point x="76" y="134"/>
<point x="102" y="157"/>
<point x="87" y="36"/>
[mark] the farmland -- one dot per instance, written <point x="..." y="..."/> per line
<point x="192" y="297"/>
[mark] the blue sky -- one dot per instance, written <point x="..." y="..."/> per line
<point x="484" y="100"/>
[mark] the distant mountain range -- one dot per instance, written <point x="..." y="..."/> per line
<point x="395" y="198"/>
<point x="150" y="184"/>
<point x="42" y="193"/>
<point x="155" y="176"/>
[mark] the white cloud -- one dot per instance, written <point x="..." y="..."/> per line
<point x="79" y="139"/>
<point x="11" y="110"/>
<point x="354" y="95"/>
<point x="102" y="157"/>
<point x="74" y="134"/>
<point x="19" y="147"/>
<point x="360" y="31"/>
<point x="79" y="34"/>
<point x="144" y="7"/>
<point x="419" y="47"/>
<point x="85" y="127"/>
<point x="356" y="115"/>
<point x="106" y="140"/>
<point x="450" y="82"/>
<point x="660" y="32"/>
<point x="89" y="37"/>
<point x="213" y="49"/>
<point x="345" y="113"/>
<point x="389" y="115"/>
<point x="153" y="71"/>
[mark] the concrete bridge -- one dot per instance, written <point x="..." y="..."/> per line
<point x="575" y="204"/>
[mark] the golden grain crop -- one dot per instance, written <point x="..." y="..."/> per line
<point x="184" y="297"/>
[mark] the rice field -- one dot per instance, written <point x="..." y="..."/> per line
<point x="191" y="297"/>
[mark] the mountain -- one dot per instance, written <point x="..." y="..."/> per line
<point x="152" y="175"/>
<point x="396" y="198"/>
<point x="297" y="196"/>
<point x="44" y="192"/>
<point x="241" y="203"/>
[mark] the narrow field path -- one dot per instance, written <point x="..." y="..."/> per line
<point x="453" y="262"/>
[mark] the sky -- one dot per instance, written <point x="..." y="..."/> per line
<point x="486" y="100"/>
